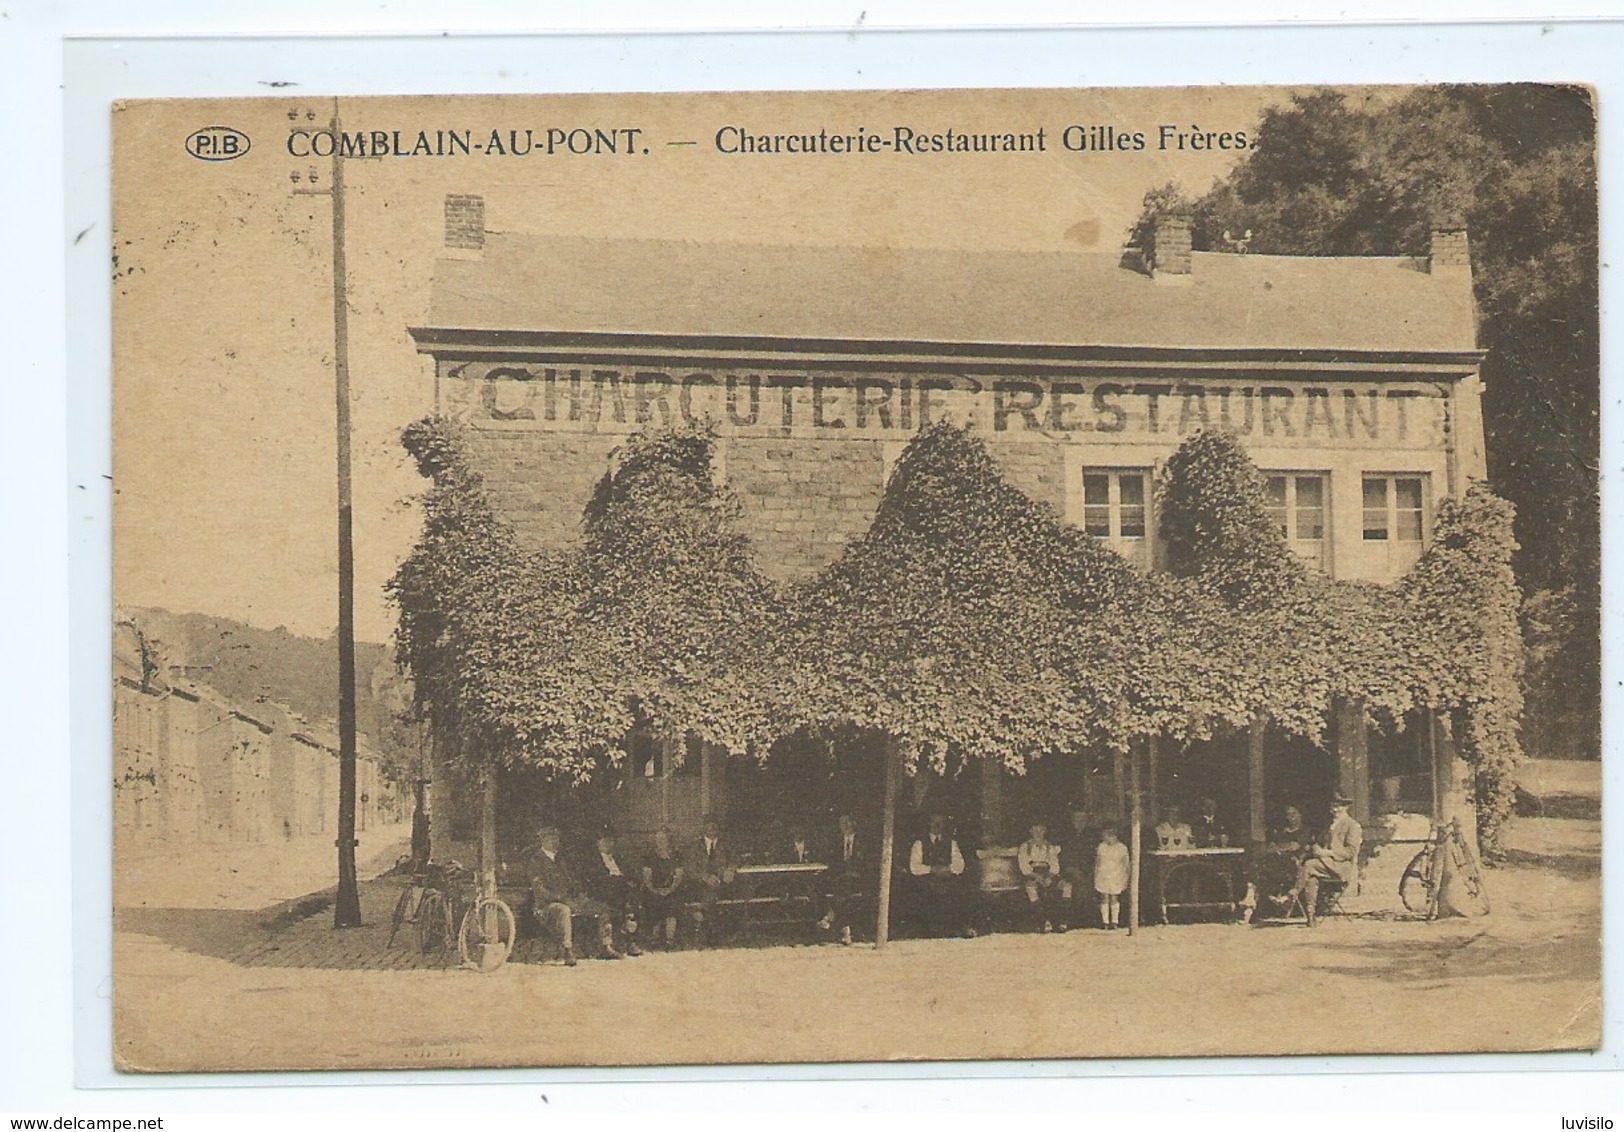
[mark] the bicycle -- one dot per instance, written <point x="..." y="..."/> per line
<point x="481" y="928"/>
<point x="1445" y="854"/>
<point x="424" y="903"/>
<point x="488" y="932"/>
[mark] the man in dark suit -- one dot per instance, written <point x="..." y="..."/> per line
<point x="710" y="870"/>
<point x="1208" y="828"/>
<point x="1079" y="842"/>
<point x="615" y="886"/>
<point x="845" y="890"/>
<point x="800" y="850"/>
<point x="557" y="899"/>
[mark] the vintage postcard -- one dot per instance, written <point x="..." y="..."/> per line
<point x="871" y="576"/>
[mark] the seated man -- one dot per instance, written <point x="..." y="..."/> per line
<point x="1337" y="859"/>
<point x="710" y="871"/>
<point x="1047" y="892"/>
<point x="557" y="900"/>
<point x="941" y="890"/>
<point x="1078" y="845"/>
<point x="607" y="882"/>
<point x="1208" y="830"/>
<point x="846" y="883"/>
<point x="799" y="851"/>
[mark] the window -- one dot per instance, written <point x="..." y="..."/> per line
<point x="1114" y="504"/>
<point x="1395" y="509"/>
<point x="1116" y="508"/>
<point x="643" y="754"/>
<point x="651" y="757"/>
<point x="1296" y="502"/>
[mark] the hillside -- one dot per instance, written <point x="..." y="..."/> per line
<point x="247" y="664"/>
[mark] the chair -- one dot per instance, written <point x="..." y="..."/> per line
<point x="1331" y="892"/>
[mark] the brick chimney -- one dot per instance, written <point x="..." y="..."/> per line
<point x="1450" y="249"/>
<point x="1170" y="245"/>
<point x="464" y="221"/>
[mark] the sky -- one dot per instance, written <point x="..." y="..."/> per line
<point x="224" y="449"/>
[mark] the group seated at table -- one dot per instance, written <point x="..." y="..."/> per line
<point x="615" y="905"/>
<point x="823" y="878"/>
<point x="1195" y="866"/>
<point x="1207" y="831"/>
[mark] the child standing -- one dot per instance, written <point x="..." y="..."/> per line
<point x="1110" y="876"/>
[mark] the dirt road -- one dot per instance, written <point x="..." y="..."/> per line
<point x="211" y="987"/>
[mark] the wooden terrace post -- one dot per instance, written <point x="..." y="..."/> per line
<point x="707" y="773"/>
<point x="1135" y="822"/>
<point x="487" y="828"/>
<point x="1155" y="789"/>
<point x="1353" y="756"/>
<point x="1257" y="830"/>
<point x="1119" y="782"/>
<point x="888" y="835"/>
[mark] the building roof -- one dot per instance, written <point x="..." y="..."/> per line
<point x="1060" y="298"/>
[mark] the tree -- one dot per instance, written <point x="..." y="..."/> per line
<point x="672" y="591"/>
<point x="548" y="660"/>
<point x="945" y="626"/>
<point x="1462" y="602"/>
<point x="1516" y="165"/>
<point x="1215" y="524"/>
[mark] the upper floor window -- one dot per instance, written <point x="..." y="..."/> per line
<point x="1394" y="508"/>
<point x="1296" y="502"/>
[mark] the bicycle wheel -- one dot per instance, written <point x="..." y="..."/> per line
<point x="1415" y="887"/>
<point x="435" y="932"/>
<point x="410" y="897"/>
<point x="486" y="938"/>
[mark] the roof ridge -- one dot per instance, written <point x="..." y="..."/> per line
<point x="945" y="249"/>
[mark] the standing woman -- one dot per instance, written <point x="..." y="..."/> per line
<point x="662" y="878"/>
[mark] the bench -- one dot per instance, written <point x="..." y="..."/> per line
<point x="1000" y="888"/>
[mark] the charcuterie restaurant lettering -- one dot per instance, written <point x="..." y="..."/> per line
<point x="601" y="399"/>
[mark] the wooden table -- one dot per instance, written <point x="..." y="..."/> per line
<point x="1217" y="863"/>
<point x="785" y="893"/>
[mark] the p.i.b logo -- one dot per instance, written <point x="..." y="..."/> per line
<point x="217" y="143"/>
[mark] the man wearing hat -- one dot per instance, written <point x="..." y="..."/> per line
<point x="558" y="899"/>
<point x="612" y="884"/>
<point x="1336" y="859"/>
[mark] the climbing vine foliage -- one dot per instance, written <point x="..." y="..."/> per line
<point x="968" y="621"/>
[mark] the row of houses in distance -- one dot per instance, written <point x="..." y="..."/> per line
<point x="191" y="767"/>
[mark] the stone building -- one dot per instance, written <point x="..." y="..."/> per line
<point x="1352" y="382"/>
<point x="190" y="767"/>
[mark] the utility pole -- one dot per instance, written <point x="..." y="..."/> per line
<point x="347" y="905"/>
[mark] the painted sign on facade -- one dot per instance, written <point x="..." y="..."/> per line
<point x="833" y="405"/>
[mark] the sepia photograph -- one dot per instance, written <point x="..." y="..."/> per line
<point x="869" y="576"/>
